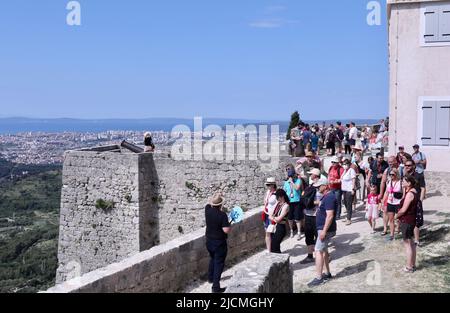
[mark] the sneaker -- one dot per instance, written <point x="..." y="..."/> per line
<point x="220" y="290"/>
<point x="409" y="270"/>
<point x="327" y="277"/>
<point x="292" y="234"/>
<point x="373" y="231"/>
<point x="316" y="282"/>
<point x="390" y="238"/>
<point x="348" y="223"/>
<point x="307" y="260"/>
<point x="417" y="243"/>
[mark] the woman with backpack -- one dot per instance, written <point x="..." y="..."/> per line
<point x="407" y="216"/>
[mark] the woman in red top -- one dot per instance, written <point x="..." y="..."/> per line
<point x="407" y="218"/>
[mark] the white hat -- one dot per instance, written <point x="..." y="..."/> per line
<point x="271" y="181"/>
<point x="335" y="159"/>
<point x="321" y="182"/>
<point x="314" y="171"/>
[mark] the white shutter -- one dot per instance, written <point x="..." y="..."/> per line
<point x="442" y="123"/>
<point x="444" y="23"/>
<point x="431" y="24"/>
<point x="429" y="123"/>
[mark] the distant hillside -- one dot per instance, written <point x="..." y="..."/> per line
<point x="29" y="223"/>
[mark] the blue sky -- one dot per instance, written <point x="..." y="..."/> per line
<point x="253" y="59"/>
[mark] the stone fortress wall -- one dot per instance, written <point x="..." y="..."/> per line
<point x="148" y="199"/>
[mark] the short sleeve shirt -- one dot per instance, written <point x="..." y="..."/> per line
<point x="328" y="203"/>
<point x="215" y="221"/>
<point x="419" y="157"/>
<point x="294" y="195"/>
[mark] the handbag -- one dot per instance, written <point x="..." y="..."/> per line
<point x="272" y="228"/>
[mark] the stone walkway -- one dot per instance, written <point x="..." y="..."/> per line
<point x="365" y="262"/>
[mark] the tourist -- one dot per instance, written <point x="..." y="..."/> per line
<point x="148" y="143"/>
<point x="315" y="142"/>
<point x="359" y="166"/>
<point x="407" y="218"/>
<point x="326" y="229"/>
<point x="372" y="208"/>
<point x="367" y="169"/>
<point x="306" y="135"/>
<point x="279" y="217"/>
<point x="339" y="136"/>
<point x="311" y="199"/>
<point x="330" y="140"/>
<point x="393" y="196"/>
<point x="292" y="187"/>
<point x="377" y="168"/>
<point x="353" y="134"/>
<point x="410" y="170"/>
<point x="348" y="186"/>
<point x="334" y="177"/>
<point x="420" y="159"/>
<point x="217" y="229"/>
<point x="270" y="202"/>
<point x="346" y="141"/>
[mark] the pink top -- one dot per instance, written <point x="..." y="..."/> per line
<point x="373" y="199"/>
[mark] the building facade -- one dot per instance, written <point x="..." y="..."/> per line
<point x="419" y="57"/>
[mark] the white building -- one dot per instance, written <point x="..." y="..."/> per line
<point x="419" y="56"/>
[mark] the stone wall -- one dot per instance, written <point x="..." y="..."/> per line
<point x="172" y="266"/>
<point x="91" y="237"/>
<point x="263" y="273"/>
<point x="186" y="186"/>
<point x="156" y="199"/>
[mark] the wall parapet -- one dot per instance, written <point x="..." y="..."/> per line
<point x="168" y="267"/>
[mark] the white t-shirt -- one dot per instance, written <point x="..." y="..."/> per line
<point x="270" y="201"/>
<point x="347" y="180"/>
<point x="353" y="133"/>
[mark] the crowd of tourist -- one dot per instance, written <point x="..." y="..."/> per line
<point x="310" y="201"/>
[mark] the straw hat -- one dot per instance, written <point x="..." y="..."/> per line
<point x="271" y="181"/>
<point x="216" y="200"/>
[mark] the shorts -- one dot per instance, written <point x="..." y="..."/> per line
<point x="330" y="145"/>
<point x="372" y="212"/>
<point x="295" y="212"/>
<point x="322" y="246"/>
<point x="351" y="142"/>
<point x="310" y="230"/>
<point x="407" y="231"/>
<point x="391" y="208"/>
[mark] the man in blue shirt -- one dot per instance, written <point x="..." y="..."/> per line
<point x="326" y="229"/>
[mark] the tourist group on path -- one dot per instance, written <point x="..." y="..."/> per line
<point x="308" y="203"/>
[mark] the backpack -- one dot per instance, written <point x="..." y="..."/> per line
<point x="309" y="197"/>
<point x="421" y="159"/>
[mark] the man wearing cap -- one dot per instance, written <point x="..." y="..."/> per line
<point x="311" y="198"/>
<point x="326" y="229"/>
<point x="334" y="178"/>
<point x="217" y="230"/>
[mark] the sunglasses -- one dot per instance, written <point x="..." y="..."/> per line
<point x="409" y="165"/>
<point x="392" y="174"/>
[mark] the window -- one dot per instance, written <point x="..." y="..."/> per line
<point x="436" y="123"/>
<point x="437" y="23"/>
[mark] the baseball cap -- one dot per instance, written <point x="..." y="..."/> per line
<point x="321" y="182"/>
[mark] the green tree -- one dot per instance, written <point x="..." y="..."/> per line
<point x="295" y="119"/>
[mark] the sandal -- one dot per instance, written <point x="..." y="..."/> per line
<point x="384" y="233"/>
<point x="409" y="270"/>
